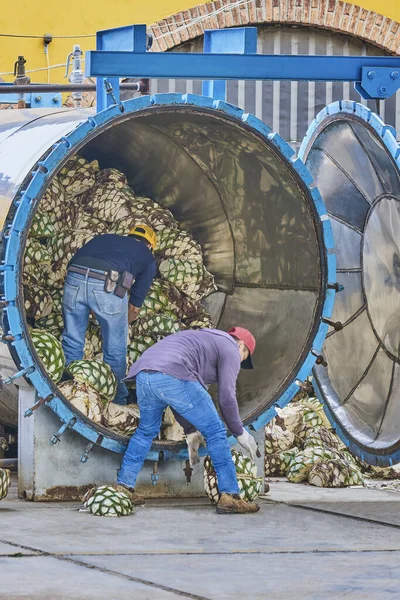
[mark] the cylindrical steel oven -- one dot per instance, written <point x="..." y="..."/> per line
<point x="230" y="182"/>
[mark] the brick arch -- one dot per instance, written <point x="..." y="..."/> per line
<point x="335" y="15"/>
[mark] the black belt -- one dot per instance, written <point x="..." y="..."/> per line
<point x="88" y="272"/>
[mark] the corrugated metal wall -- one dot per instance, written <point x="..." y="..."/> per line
<point x="289" y="107"/>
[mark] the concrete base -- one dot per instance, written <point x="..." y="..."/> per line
<point x="54" y="472"/>
<point x="48" y="472"/>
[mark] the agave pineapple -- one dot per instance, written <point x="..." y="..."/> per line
<point x="36" y="253"/>
<point x="277" y="439"/>
<point x="157" y="298"/>
<point x="184" y="248"/>
<point x="111" y="175"/>
<point x="301" y="465"/>
<point x="105" y="501"/>
<point x="54" y="196"/>
<point x="323" y="437"/>
<point x="78" y="175"/>
<point x="85" y="398"/>
<point x="94" y="341"/>
<point x="50" y="352"/>
<point x="108" y="202"/>
<point x="138" y="345"/>
<point x="190" y="277"/>
<point x="97" y="374"/>
<point x="154" y="324"/>
<point x="64" y="245"/>
<point x="5" y="478"/>
<point x="42" y="226"/>
<point x="166" y="239"/>
<point x="330" y="473"/>
<point x="51" y="322"/>
<point x="37" y="301"/>
<point x="121" y="419"/>
<point x="250" y="485"/>
<point x="276" y="464"/>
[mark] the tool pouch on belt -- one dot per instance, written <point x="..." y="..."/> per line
<point x="124" y="284"/>
<point x="111" y="281"/>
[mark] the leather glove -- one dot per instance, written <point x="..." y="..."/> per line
<point x="248" y="443"/>
<point x="194" y="441"/>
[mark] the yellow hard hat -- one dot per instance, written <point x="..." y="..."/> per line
<point x="145" y="232"/>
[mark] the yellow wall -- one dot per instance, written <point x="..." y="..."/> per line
<point x="61" y="18"/>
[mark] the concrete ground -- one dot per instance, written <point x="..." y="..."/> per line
<point x="305" y="543"/>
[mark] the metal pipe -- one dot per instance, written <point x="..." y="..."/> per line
<point x="87" y="87"/>
<point x="9" y="463"/>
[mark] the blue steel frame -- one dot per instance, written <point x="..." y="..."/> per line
<point x="26" y="205"/>
<point x="374" y="76"/>
<point x="388" y="136"/>
<point x="235" y="41"/>
<point x="126" y="39"/>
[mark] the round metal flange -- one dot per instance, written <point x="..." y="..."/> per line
<point x="354" y="159"/>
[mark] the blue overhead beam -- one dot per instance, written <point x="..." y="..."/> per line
<point x="231" y="54"/>
<point x="191" y="65"/>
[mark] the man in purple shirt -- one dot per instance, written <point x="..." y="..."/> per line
<point x="175" y="372"/>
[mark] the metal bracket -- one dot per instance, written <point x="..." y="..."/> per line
<point x="22" y="373"/>
<point x="188" y="472"/>
<point x="55" y="438"/>
<point x="338" y="287"/>
<point x="242" y="40"/>
<point x="85" y="456"/>
<point x="154" y="475"/>
<point x="337" y="325"/>
<point x="132" y="39"/>
<point x="29" y="412"/>
<point x="320" y="359"/>
<point x="109" y="91"/>
<point x="378" y="82"/>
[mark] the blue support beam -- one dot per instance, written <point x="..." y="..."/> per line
<point x="180" y="65"/>
<point x="242" y="40"/>
<point x="132" y="39"/>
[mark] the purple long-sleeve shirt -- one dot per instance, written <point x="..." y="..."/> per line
<point x="207" y="356"/>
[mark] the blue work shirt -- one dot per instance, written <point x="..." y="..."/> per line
<point x="120" y="253"/>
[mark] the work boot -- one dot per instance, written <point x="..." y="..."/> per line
<point x="130" y="492"/>
<point x="233" y="504"/>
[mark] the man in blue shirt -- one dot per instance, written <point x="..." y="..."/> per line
<point x="99" y="280"/>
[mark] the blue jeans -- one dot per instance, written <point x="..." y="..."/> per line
<point x="81" y="295"/>
<point x="156" y="391"/>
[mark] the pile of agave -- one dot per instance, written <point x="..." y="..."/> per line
<point x="301" y="445"/>
<point x="81" y="202"/>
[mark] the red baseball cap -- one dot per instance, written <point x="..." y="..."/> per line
<point x="240" y="333"/>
